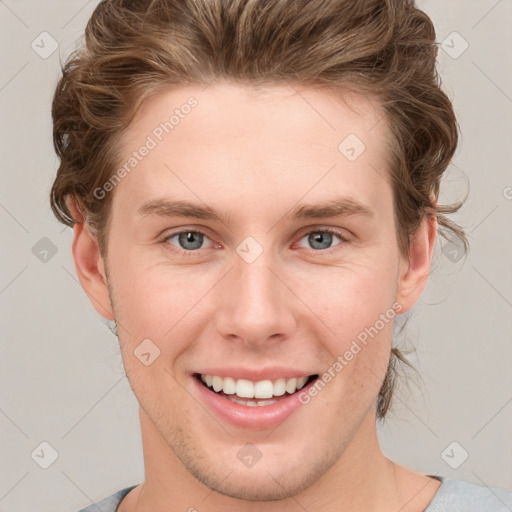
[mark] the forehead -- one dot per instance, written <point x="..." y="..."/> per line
<point x="235" y="143"/>
<point x="227" y="109"/>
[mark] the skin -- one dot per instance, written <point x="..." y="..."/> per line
<point x="254" y="157"/>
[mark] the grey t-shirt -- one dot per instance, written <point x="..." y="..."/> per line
<point x="452" y="496"/>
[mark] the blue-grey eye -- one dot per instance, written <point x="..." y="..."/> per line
<point x="189" y="240"/>
<point x="320" y="239"/>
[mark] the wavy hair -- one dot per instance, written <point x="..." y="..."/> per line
<point x="135" y="48"/>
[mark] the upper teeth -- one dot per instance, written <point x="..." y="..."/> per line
<point x="248" y="389"/>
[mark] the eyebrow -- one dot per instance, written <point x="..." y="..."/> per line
<point x="331" y="208"/>
<point x="180" y="208"/>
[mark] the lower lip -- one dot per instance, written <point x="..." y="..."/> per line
<point x="244" y="416"/>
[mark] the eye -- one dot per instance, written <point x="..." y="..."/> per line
<point x="191" y="241"/>
<point x="188" y="240"/>
<point x="322" y="239"/>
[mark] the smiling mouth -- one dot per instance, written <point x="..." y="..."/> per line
<point x="254" y="394"/>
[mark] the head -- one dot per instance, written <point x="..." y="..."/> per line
<point x="265" y="115"/>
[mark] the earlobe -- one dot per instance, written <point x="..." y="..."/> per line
<point x="414" y="272"/>
<point x="89" y="265"/>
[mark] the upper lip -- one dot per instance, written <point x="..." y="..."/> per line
<point x="256" y="375"/>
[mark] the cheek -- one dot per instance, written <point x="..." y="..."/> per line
<point x="155" y="301"/>
<point x="174" y="303"/>
<point x="359" y="308"/>
<point x="351" y="298"/>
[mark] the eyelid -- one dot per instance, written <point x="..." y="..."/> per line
<point x="339" y="232"/>
<point x="171" y="234"/>
<point x="344" y="238"/>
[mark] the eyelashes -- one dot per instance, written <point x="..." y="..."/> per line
<point x="331" y="233"/>
<point x="195" y="237"/>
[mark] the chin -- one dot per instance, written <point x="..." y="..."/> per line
<point x="282" y="471"/>
<point x="244" y="484"/>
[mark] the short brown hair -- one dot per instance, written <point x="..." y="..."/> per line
<point x="134" y="48"/>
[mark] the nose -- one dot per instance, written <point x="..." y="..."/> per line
<point x="256" y="304"/>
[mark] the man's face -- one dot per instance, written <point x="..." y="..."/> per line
<point x="259" y="294"/>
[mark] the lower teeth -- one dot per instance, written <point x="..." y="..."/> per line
<point x="250" y="403"/>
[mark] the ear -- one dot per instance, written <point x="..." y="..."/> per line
<point x="89" y="264"/>
<point x="414" y="271"/>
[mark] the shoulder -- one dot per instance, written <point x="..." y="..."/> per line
<point x="459" y="496"/>
<point x="109" y="504"/>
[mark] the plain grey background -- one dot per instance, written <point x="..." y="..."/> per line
<point x="62" y="380"/>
